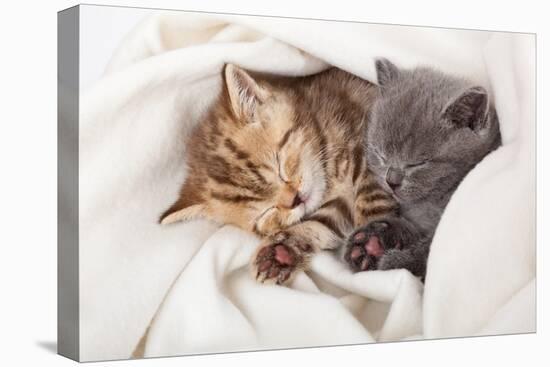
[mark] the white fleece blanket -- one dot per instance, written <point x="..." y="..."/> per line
<point x="189" y="281"/>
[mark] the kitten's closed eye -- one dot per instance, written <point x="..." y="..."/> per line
<point x="280" y="169"/>
<point x="416" y="165"/>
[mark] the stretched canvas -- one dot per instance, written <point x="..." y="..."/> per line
<point x="165" y="248"/>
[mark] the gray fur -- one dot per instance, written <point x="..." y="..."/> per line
<point x="427" y="131"/>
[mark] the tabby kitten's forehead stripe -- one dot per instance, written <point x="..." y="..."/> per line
<point x="255" y="171"/>
<point x="223" y="172"/>
<point x="239" y="154"/>
<point x="237" y="198"/>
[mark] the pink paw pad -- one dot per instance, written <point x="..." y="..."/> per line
<point x="373" y="247"/>
<point x="355" y="253"/>
<point x="283" y="256"/>
<point x="360" y="236"/>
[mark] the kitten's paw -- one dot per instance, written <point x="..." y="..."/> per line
<point x="368" y="245"/>
<point x="279" y="258"/>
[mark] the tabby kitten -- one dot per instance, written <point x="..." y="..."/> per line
<point x="283" y="158"/>
<point x="427" y="131"/>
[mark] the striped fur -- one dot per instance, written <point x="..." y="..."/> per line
<point x="284" y="157"/>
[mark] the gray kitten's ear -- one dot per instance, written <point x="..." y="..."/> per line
<point x="469" y="109"/>
<point x="385" y="71"/>
<point x="244" y="92"/>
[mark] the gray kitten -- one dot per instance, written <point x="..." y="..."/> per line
<point x="427" y="131"/>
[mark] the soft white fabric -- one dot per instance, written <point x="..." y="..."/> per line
<point x="189" y="281"/>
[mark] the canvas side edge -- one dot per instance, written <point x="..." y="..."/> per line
<point x="68" y="328"/>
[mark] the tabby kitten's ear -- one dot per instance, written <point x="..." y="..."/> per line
<point x="187" y="207"/>
<point x="385" y="71"/>
<point x="245" y="94"/>
<point x="469" y="109"/>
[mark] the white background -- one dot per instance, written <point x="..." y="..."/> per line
<point x="28" y="182"/>
<point x="101" y="41"/>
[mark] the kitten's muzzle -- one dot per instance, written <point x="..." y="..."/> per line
<point x="394" y="178"/>
<point x="289" y="198"/>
